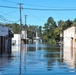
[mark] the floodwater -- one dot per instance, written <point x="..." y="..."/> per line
<point x="38" y="59"/>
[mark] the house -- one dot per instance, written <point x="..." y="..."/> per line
<point x="69" y="57"/>
<point x="70" y="37"/>
<point x="5" y="40"/>
<point x="24" y="37"/>
<point x="36" y="39"/>
<point x="69" y="47"/>
<point x="17" y="37"/>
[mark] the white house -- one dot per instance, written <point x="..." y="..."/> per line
<point x="16" y="39"/>
<point x="69" y="57"/>
<point x="36" y="39"/>
<point x="24" y="37"/>
<point x="69" y="48"/>
<point x="70" y="37"/>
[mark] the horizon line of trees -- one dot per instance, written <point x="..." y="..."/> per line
<point x="49" y="33"/>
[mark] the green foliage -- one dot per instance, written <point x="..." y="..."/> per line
<point x="52" y="41"/>
<point x="31" y="29"/>
<point x="52" y="30"/>
<point x="15" y="27"/>
<point x="74" y="24"/>
<point x="49" y="31"/>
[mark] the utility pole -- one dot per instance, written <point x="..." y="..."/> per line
<point x="20" y="8"/>
<point x="25" y="20"/>
<point x="25" y="30"/>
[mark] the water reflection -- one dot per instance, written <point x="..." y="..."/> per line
<point x="70" y="56"/>
<point x="51" y="56"/>
<point x="39" y="58"/>
<point x="25" y="54"/>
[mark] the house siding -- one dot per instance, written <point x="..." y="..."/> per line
<point x="70" y="34"/>
<point x="5" y="40"/>
<point x="69" y="48"/>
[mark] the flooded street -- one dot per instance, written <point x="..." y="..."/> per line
<point x="37" y="59"/>
<point x="37" y="37"/>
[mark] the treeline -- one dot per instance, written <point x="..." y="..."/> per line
<point x="52" y="30"/>
<point x="49" y="33"/>
<point x="31" y="29"/>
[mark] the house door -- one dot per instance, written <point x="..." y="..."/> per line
<point x="71" y="47"/>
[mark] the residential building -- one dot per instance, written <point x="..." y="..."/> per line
<point x="16" y="39"/>
<point x="5" y="40"/>
<point x="69" y="46"/>
<point x="70" y="37"/>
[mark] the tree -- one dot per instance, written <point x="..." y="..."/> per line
<point x="15" y="27"/>
<point x="49" y="28"/>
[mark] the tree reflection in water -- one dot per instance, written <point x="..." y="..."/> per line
<point x="52" y="55"/>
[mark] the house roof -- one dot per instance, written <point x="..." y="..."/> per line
<point x="70" y="27"/>
<point x="4" y="30"/>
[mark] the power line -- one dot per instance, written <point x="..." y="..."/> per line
<point x="2" y="18"/>
<point x="8" y="7"/>
<point x="52" y="9"/>
<point x="9" y="1"/>
<point x="47" y="6"/>
<point x="8" y="12"/>
<point x="11" y="12"/>
<point x="36" y="5"/>
<point x="36" y="17"/>
<point x="38" y="9"/>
